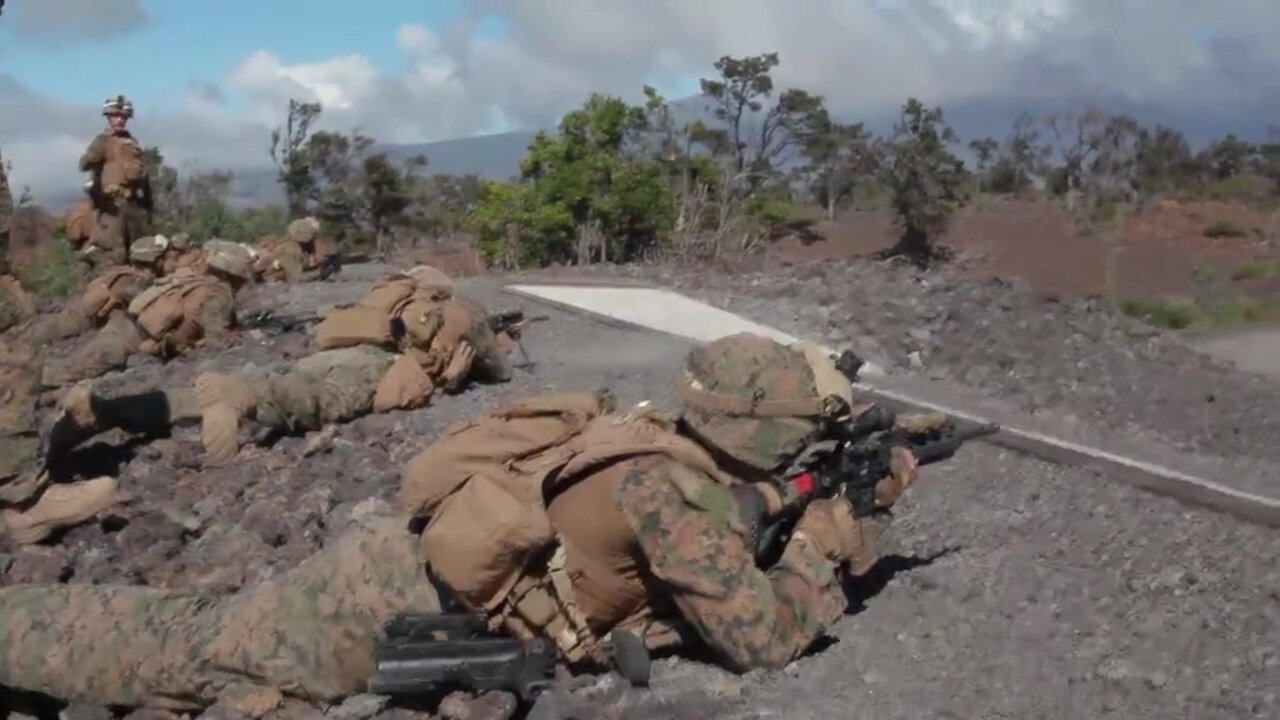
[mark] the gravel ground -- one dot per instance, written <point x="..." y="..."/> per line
<point x="1063" y="595"/>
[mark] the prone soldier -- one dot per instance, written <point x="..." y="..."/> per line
<point x="610" y="525"/>
<point x="294" y="256"/>
<point x="173" y="315"/>
<point x="111" y="292"/>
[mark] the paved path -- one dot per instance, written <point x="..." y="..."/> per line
<point x="1254" y="348"/>
<point x="1190" y="478"/>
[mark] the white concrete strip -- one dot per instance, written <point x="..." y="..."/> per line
<point x="670" y="312"/>
<point x="662" y="310"/>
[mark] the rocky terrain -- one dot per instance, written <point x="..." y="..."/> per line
<point x="1017" y="588"/>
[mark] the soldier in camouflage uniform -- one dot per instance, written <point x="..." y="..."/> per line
<point x="652" y="535"/>
<point x="172" y="316"/>
<point x="120" y="188"/>
<point x="294" y="257"/>
<point x="111" y="292"/>
<point x="407" y="338"/>
<point x="32" y="505"/>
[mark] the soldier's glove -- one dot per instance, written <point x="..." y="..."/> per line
<point x="459" y="366"/>
<point x="829" y="525"/>
<point x="903" y="469"/>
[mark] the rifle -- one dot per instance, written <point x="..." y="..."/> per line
<point x="848" y="460"/>
<point x="513" y="323"/>
<point x="427" y="653"/>
<point x="269" y="320"/>
<point x="332" y="263"/>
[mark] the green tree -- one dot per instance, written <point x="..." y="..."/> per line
<point x="290" y="154"/>
<point x="839" y="158"/>
<point x="925" y="180"/>
<point x="584" y="194"/>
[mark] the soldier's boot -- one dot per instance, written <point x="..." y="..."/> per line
<point x="224" y="401"/>
<point x="153" y="413"/>
<point x="60" y="506"/>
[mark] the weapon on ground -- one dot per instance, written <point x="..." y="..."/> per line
<point x="269" y="320"/>
<point x="849" y="459"/>
<point x="430" y="653"/>
<point x="513" y="323"/>
<point x="332" y="263"/>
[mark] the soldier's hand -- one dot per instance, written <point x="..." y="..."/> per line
<point x="903" y="470"/>
<point x="111" y="190"/>
<point x="830" y="526"/>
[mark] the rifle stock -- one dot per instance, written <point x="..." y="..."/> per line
<point x="428" y="653"/>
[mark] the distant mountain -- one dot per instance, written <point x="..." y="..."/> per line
<point x="498" y="156"/>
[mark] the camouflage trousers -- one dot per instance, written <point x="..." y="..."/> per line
<point x="308" y="633"/>
<point x="69" y="322"/>
<point x="331" y="386"/>
<point x="21" y="456"/>
<point x="118" y="224"/>
<point x="109" y="350"/>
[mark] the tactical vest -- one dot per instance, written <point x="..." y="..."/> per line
<point x="161" y="310"/>
<point x="124" y="165"/>
<point x="114" y="289"/>
<point x="399" y="315"/>
<point x="485" y="485"/>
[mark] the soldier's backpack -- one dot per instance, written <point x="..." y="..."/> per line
<point x="484" y="485"/>
<point x="159" y="308"/>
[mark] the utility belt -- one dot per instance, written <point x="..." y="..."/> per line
<point x="540" y="605"/>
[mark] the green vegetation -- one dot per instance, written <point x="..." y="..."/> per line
<point x="53" y="273"/>
<point x="1225" y="228"/>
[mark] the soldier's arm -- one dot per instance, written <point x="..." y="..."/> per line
<point x="95" y="155"/>
<point x="216" y="315"/>
<point x="687" y="528"/>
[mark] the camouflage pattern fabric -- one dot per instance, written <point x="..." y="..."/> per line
<point x="330" y="386"/>
<point x="309" y="632"/>
<point x="752" y="398"/>
<point x="686" y="525"/>
<point x="109" y="350"/>
<point x="20" y="451"/>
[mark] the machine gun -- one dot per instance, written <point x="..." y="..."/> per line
<point x="851" y="456"/>
<point x="513" y="323"/>
<point x="432" y="653"/>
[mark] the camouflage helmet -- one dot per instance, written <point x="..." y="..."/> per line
<point x="181" y="241"/>
<point x="759" y="401"/>
<point x="117" y="105"/>
<point x="229" y="257"/>
<point x="303" y="230"/>
<point x="428" y="278"/>
<point x="147" y="250"/>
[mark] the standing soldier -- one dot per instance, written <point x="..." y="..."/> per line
<point x="120" y="187"/>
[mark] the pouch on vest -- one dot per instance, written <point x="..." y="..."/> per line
<point x="388" y="294"/>
<point x="356" y="325"/>
<point x="158" y="309"/>
<point x="514" y="439"/>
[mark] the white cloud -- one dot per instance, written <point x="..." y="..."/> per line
<point x="863" y="55"/>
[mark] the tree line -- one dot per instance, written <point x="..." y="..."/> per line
<point x="617" y="182"/>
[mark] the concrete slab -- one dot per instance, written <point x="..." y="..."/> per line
<point x="1252" y="348"/>
<point x="657" y="309"/>
<point x="675" y="314"/>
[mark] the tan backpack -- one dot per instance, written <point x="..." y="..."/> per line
<point x="159" y="308"/>
<point x="114" y="289"/>
<point x="368" y="322"/>
<point x="484" y="486"/>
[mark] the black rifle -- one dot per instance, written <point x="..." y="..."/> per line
<point x="848" y="460"/>
<point x="513" y="323"/>
<point x="332" y="263"/>
<point x="270" y="321"/>
<point x="431" y="653"/>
